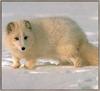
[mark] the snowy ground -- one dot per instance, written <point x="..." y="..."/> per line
<point x="51" y="77"/>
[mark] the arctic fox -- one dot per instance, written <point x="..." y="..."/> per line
<point x="52" y="37"/>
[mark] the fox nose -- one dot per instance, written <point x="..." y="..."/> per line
<point x="23" y="48"/>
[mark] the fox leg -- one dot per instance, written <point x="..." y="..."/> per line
<point x="77" y="61"/>
<point x="16" y="62"/>
<point x="30" y="64"/>
<point x="71" y="54"/>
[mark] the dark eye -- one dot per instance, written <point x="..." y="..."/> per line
<point x="16" y="38"/>
<point x="25" y="37"/>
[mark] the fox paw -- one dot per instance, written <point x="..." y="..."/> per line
<point x="30" y="67"/>
<point x="78" y="64"/>
<point x="15" y="66"/>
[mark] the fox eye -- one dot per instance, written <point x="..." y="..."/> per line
<point x="25" y="37"/>
<point x="16" y="38"/>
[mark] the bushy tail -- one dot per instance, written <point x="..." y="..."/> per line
<point x="89" y="53"/>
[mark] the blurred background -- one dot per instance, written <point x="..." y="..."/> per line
<point x="84" y="13"/>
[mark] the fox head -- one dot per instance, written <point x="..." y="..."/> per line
<point x="19" y="35"/>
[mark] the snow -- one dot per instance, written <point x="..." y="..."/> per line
<point x="50" y="77"/>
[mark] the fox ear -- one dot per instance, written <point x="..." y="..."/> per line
<point x="28" y="24"/>
<point x="10" y="27"/>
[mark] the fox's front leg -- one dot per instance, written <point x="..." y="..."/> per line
<point x="16" y="62"/>
<point x="30" y="64"/>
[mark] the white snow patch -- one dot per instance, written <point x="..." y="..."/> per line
<point x="94" y="18"/>
<point x="90" y="33"/>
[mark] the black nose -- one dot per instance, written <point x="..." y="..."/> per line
<point x="23" y="48"/>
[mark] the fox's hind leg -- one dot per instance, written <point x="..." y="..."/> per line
<point x="16" y="62"/>
<point x="70" y="53"/>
